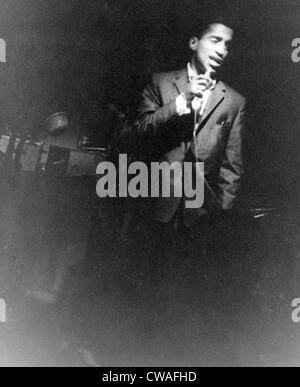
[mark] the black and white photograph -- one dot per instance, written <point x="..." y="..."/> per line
<point x="149" y="185"/>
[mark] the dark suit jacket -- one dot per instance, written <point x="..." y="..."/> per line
<point x="164" y="135"/>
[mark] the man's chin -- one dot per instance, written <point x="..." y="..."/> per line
<point x="214" y="67"/>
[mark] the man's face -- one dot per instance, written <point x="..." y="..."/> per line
<point x="212" y="48"/>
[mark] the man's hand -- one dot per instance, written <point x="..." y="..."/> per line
<point x="196" y="87"/>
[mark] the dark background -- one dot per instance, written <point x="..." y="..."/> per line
<point x="80" y="56"/>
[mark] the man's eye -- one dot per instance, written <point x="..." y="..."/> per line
<point x="215" y="40"/>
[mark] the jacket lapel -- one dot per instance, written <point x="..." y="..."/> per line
<point x="181" y="80"/>
<point x="216" y="97"/>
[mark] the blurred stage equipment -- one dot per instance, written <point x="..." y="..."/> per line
<point x="71" y="163"/>
<point x="9" y="147"/>
<point x="100" y="137"/>
<point x="56" y="124"/>
<point x="86" y="142"/>
<point x="83" y="148"/>
<point x="19" y="152"/>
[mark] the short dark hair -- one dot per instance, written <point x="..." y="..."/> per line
<point x="199" y="27"/>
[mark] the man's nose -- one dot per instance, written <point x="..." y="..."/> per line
<point x="221" y="51"/>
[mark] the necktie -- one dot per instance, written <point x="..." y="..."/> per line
<point x="197" y="104"/>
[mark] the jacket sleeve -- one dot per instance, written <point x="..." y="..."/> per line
<point x="232" y="164"/>
<point x="152" y="114"/>
<point x="159" y="126"/>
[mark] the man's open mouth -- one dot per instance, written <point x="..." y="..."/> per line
<point x="217" y="60"/>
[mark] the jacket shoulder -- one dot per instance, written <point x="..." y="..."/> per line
<point x="165" y="76"/>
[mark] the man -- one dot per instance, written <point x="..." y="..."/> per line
<point x="191" y="115"/>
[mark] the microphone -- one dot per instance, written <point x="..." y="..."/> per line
<point x="197" y="101"/>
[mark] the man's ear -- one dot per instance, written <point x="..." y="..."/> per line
<point x="193" y="43"/>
